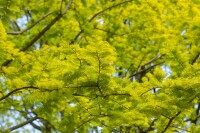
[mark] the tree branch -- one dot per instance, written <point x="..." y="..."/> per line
<point x="21" y="124"/>
<point x="36" y="22"/>
<point x="147" y="91"/>
<point x="32" y="87"/>
<point x="152" y="124"/>
<point x="195" y="59"/>
<point x="145" y="70"/>
<point x="33" y="124"/>
<point x="108" y="8"/>
<point x="170" y="121"/>
<point x="18" y="89"/>
<point x="36" y="126"/>
<point x="154" y="59"/>
<point x="76" y="37"/>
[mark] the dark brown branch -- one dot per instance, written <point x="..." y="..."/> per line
<point x="146" y="91"/>
<point x="154" y="59"/>
<point x="198" y="109"/>
<point x="76" y="37"/>
<point x="152" y="124"/>
<point x="150" y="128"/>
<point x="170" y="121"/>
<point x="138" y="70"/>
<point x="36" y="126"/>
<point x="36" y="22"/>
<point x="21" y="124"/>
<point x="195" y="59"/>
<point x="145" y="70"/>
<point x="79" y="95"/>
<point x="33" y="124"/>
<point x="16" y="90"/>
<point x="6" y="63"/>
<point x="165" y="116"/>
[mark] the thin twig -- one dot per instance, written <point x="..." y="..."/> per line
<point x="21" y="124"/>
<point x="165" y="116"/>
<point x="154" y="59"/>
<point x="97" y="14"/>
<point x="120" y="104"/>
<point x="61" y="6"/>
<point x="146" y="70"/>
<point x="67" y="7"/>
<point x="170" y="121"/>
<point x="16" y="90"/>
<point x="195" y="59"/>
<point x="146" y="91"/>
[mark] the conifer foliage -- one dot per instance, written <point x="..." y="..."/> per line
<point x="81" y="66"/>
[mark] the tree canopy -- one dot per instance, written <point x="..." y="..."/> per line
<point x="81" y="66"/>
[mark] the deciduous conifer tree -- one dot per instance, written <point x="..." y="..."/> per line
<point x="81" y="66"/>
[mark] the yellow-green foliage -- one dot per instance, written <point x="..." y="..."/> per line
<point x="2" y="32"/>
<point x="110" y="65"/>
